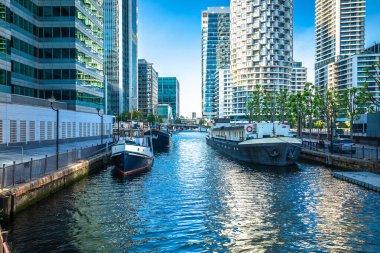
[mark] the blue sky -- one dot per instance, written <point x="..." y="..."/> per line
<point x="170" y="37"/>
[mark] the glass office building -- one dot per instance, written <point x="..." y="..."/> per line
<point x="120" y="55"/>
<point x="169" y="93"/>
<point x="148" y="88"/>
<point x="53" y="49"/>
<point x="215" y="54"/>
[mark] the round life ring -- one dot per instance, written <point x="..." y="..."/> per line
<point x="249" y="129"/>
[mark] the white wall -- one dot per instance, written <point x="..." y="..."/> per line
<point x="46" y="116"/>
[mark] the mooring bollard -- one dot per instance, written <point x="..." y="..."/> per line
<point x="14" y="172"/>
<point x="30" y="169"/>
<point x="2" y="180"/>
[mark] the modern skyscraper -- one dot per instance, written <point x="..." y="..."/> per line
<point x="54" y="48"/>
<point x="299" y="78"/>
<point x="148" y="88"/>
<point x="351" y="72"/>
<point x="224" y="92"/>
<point x="169" y="93"/>
<point x="215" y="53"/>
<point x="261" y="47"/>
<point x="339" y="33"/>
<point x="120" y="55"/>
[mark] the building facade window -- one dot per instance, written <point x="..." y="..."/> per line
<point x="42" y="131"/>
<point x="50" y="130"/>
<point x="69" y="130"/>
<point x="80" y="129"/>
<point x="63" y="130"/>
<point x="74" y="135"/>
<point x="13" y="131"/>
<point x="32" y="130"/>
<point x="23" y="131"/>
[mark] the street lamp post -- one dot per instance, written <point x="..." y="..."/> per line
<point x="52" y="100"/>
<point x="101" y="125"/>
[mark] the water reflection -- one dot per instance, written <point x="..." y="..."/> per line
<point x="195" y="200"/>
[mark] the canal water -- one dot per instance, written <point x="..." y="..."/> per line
<point x="195" y="200"/>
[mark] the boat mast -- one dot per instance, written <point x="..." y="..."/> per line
<point x="130" y="124"/>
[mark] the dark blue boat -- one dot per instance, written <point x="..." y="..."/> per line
<point x="132" y="155"/>
<point x="160" y="139"/>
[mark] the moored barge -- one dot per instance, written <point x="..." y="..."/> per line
<point x="257" y="143"/>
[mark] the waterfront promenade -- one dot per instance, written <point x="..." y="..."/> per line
<point x="19" y="155"/>
<point x="363" y="152"/>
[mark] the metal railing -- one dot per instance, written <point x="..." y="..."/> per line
<point x="357" y="151"/>
<point x="27" y="171"/>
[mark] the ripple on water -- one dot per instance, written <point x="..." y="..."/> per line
<point x="195" y="200"/>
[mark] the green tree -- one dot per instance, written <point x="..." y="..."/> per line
<point x="373" y="76"/>
<point x="269" y="105"/>
<point x="329" y="107"/>
<point x="281" y="103"/>
<point x="312" y="105"/>
<point x="151" y="118"/>
<point x="137" y="115"/>
<point x="352" y="104"/>
<point x="319" y="124"/>
<point x="125" y="116"/>
<point x="255" y="104"/>
<point x="296" y="111"/>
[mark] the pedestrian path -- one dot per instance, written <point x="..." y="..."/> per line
<point x="19" y="155"/>
<point x="365" y="179"/>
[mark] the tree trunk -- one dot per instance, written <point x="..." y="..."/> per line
<point x="309" y="127"/>
<point x="351" y="128"/>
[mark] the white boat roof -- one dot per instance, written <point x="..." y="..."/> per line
<point x="290" y="140"/>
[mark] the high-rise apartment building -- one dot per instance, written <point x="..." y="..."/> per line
<point x="215" y="54"/>
<point x="261" y="47"/>
<point x="339" y="33"/>
<point x="120" y="55"/>
<point x="169" y="93"/>
<point x="299" y="78"/>
<point x="53" y="48"/>
<point x="148" y="88"/>
<point x="352" y="71"/>
<point x="224" y="92"/>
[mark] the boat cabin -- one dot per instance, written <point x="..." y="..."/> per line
<point x="244" y="132"/>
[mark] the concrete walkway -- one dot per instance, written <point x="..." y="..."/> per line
<point x="365" y="179"/>
<point x="11" y="154"/>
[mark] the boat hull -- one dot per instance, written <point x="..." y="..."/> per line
<point x="273" y="154"/>
<point x="160" y="139"/>
<point x="130" y="163"/>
